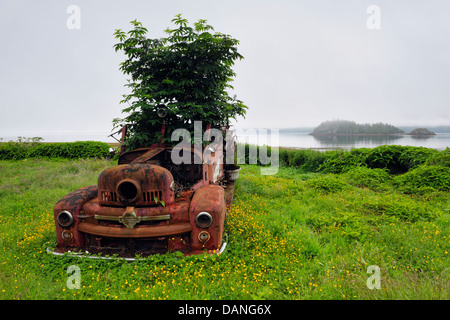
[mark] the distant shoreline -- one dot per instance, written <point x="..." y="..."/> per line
<point x="356" y="134"/>
<point x="368" y="134"/>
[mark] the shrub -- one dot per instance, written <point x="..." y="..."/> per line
<point x="16" y="150"/>
<point x="187" y="75"/>
<point x="285" y="156"/>
<point x="79" y="149"/>
<point x="398" y="159"/>
<point x="386" y="157"/>
<point x="72" y="150"/>
<point x="306" y="160"/>
<point x="440" y="158"/>
<point x="342" y="161"/>
<point x="313" y="160"/>
<point x="413" y="157"/>
<point x="414" y="181"/>
<point x="367" y="177"/>
<point x="392" y="159"/>
<point x="12" y="151"/>
<point x="250" y="155"/>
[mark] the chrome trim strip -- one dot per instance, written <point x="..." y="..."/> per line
<point x="222" y="249"/>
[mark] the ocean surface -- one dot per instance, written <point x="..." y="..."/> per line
<point x="266" y="137"/>
<point x="439" y="141"/>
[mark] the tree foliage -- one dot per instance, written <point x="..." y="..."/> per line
<point x="344" y="127"/>
<point x="187" y="73"/>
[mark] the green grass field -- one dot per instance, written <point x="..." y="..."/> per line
<point x="293" y="235"/>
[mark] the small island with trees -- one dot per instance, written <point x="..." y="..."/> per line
<point x="421" y="132"/>
<point x="346" y="127"/>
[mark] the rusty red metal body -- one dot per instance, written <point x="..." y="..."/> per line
<point x="147" y="204"/>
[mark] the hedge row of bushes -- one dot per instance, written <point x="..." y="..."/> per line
<point x="410" y="169"/>
<point x="71" y="150"/>
<point x="394" y="158"/>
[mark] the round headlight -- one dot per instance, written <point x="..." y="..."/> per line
<point x="128" y="190"/>
<point x="65" y="218"/>
<point x="204" y="220"/>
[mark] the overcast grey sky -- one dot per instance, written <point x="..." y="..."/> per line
<point x="305" y="61"/>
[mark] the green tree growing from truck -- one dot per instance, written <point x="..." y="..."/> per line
<point x="176" y="80"/>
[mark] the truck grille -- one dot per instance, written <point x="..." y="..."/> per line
<point x="150" y="196"/>
<point x="109" y="196"/>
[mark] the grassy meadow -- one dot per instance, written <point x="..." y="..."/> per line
<point x="294" y="235"/>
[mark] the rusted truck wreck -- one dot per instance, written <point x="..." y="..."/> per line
<point x="147" y="204"/>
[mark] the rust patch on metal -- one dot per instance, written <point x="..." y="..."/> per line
<point x="148" y="155"/>
<point x="211" y="199"/>
<point x="73" y="202"/>
<point x="136" y="185"/>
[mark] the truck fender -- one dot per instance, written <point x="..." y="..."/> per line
<point x="210" y="199"/>
<point x="69" y="236"/>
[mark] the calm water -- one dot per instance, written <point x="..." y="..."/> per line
<point x="303" y="140"/>
<point x="297" y="140"/>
